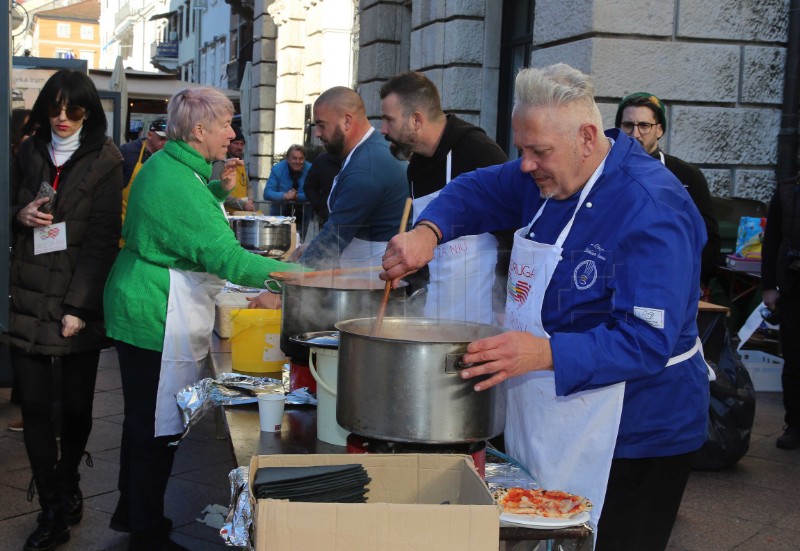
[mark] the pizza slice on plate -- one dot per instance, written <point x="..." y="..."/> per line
<point x="544" y="503"/>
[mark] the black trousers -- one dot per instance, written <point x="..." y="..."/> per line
<point x="642" y="502"/>
<point x="789" y="311"/>
<point x="42" y="383"/>
<point x="145" y="461"/>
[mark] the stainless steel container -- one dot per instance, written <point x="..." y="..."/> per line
<point x="263" y="233"/>
<point x="404" y="386"/>
<point x="316" y="304"/>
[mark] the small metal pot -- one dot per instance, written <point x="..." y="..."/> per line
<point x="404" y="385"/>
<point x="316" y="304"/>
<point x="263" y="233"/>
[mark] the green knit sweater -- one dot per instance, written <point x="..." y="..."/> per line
<point x="174" y="220"/>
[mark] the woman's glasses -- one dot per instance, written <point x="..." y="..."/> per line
<point x="74" y="112"/>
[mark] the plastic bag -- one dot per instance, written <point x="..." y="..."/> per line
<point x="730" y="414"/>
<point x="749" y="237"/>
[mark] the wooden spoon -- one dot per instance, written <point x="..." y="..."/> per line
<point x="376" y="328"/>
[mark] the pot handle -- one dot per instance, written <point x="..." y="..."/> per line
<point x="273" y="286"/>
<point x="320" y="382"/>
<point x="453" y="364"/>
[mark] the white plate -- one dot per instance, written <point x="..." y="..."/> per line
<point x="536" y="521"/>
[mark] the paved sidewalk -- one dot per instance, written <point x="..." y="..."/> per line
<point x="199" y="477"/>
<point x="754" y="506"/>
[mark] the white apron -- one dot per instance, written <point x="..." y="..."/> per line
<point x="567" y="442"/>
<point x="460" y="271"/>
<point x="190" y="320"/>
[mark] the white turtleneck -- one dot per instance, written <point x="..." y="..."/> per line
<point x="61" y="149"/>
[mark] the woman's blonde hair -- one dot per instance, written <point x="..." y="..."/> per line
<point x="191" y="106"/>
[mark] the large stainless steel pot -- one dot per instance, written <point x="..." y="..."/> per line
<point x="316" y="304"/>
<point x="403" y="385"/>
<point x="272" y="234"/>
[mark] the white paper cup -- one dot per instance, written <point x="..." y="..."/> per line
<point x="270" y="411"/>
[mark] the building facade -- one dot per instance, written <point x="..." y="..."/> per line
<point x="718" y="65"/>
<point x="69" y="32"/>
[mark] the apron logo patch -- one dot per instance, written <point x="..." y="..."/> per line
<point x="519" y="291"/>
<point x="585" y="274"/>
<point x="652" y="316"/>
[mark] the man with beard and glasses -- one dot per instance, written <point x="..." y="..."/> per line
<point x="606" y="388"/>
<point x="368" y="195"/>
<point x="440" y="147"/>
<point x="642" y="116"/>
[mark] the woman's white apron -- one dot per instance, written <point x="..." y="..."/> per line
<point x="190" y="320"/>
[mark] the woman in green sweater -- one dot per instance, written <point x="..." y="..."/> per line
<point x="159" y="298"/>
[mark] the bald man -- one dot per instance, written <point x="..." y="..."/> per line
<point x="368" y="195"/>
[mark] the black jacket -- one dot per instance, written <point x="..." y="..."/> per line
<point x="130" y="153"/>
<point x="45" y="287"/>
<point x="697" y="186"/>
<point x="781" y="247"/>
<point x="319" y="181"/>
<point x="471" y="149"/>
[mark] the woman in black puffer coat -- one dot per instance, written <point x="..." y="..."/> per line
<point x="56" y="328"/>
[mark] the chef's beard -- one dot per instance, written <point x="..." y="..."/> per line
<point x="335" y="146"/>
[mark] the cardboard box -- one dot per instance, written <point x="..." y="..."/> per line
<point x="764" y="369"/>
<point x="403" y="511"/>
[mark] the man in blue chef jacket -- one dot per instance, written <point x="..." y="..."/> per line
<point x="607" y="390"/>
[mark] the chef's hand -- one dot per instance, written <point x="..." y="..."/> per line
<point x="770" y="298"/>
<point x="406" y="253"/>
<point x="228" y="176"/>
<point x="249" y="205"/>
<point x="265" y="300"/>
<point x="70" y="325"/>
<point x="506" y="355"/>
<point x="30" y="216"/>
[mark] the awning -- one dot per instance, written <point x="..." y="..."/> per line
<point x="150" y="86"/>
<point x="163" y="15"/>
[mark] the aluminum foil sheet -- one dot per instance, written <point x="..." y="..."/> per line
<point x="236" y="529"/>
<point x="270" y="220"/>
<point x="503" y="471"/>
<point x="231" y="389"/>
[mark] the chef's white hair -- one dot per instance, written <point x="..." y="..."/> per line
<point x="557" y="85"/>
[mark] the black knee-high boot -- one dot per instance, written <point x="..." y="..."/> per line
<point x="69" y="493"/>
<point x="53" y="529"/>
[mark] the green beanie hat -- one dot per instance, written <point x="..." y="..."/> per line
<point x="646" y="99"/>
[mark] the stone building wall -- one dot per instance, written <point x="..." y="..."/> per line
<point x="301" y="48"/>
<point x="717" y="65"/>
<point x="455" y="43"/>
<point x="262" y="98"/>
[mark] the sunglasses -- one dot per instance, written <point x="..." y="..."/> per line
<point x="74" y="112"/>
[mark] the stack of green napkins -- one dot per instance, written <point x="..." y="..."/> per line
<point x="323" y="483"/>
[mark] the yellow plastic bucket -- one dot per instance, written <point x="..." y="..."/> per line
<point x="255" y="342"/>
